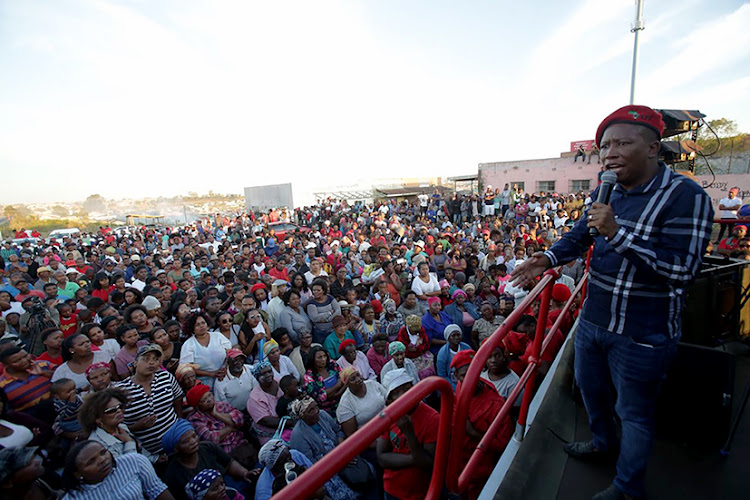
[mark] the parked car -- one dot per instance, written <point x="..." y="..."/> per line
<point x="59" y="235"/>
<point x="281" y="228"/>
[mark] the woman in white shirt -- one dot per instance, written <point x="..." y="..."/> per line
<point x="362" y="400"/>
<point x="206" y="349"/>
<point x="426" y="284"/>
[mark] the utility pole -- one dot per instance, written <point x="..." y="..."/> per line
<point x="636" y="28"/>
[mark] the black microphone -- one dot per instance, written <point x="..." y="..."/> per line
<point x="609" y="179"/>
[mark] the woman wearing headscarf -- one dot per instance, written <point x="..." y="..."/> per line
<point x="417" y="343"/>
<point x="397" y="350"/>
<point x="448" y="351"/>
<point x="484" y="406"/>
<point x="263" y="399"/>
<point x="462" y="313"/>
<point x="316" y="434"/>
<point x="352" y="358"/>
<point x="189" y="456"/>
<point x="99" y="376"/>
<point x="362" y="400"/>
<point x="274" y="456"/>
<point x="281" y="364"/>
<point x="215" y="421"/>
<point x="209" y="484"/>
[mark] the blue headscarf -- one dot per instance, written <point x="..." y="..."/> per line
<point x="257" y="367"/>
<point x="197" y="488"/>
<point x="172" y="436"/>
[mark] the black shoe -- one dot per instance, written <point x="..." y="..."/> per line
<point x="612" y="493"/>
<point x="585" y="450"/>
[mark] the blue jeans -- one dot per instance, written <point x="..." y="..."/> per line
<point x="636" y="368"/>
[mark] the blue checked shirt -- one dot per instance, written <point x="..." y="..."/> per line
<point x="638" y="278"/>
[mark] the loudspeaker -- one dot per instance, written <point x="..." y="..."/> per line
<point x="695" y="403"/>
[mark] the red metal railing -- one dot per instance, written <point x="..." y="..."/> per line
<point x="458" y="478"/>
<point x="452" y="431"/>
<point x="309" y="482"/>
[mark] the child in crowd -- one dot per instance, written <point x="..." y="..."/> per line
<point x="52" y="339"/>
<point x="67" y="402"/>
<point x="290" y="387"/>
<point x="68" y="319"/>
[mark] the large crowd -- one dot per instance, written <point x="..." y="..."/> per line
<point x="221" y="359"/>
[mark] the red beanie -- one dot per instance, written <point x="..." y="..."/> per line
<point x="377" y="306"/>
<point x="515" y="342"/>
<point x="196" y="393"/>
<point x="462" y="358"/>
<point x="257" y="286"/>
<point x="346" y="343"/>
<point x="634" y="115"/>
<point x="560" y="292"/>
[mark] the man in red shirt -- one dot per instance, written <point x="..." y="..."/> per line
<point x="731" y="244"/>
<point x="407" y="451"/>
<point x="23" y="289"/>
<point x="279" y="270"/>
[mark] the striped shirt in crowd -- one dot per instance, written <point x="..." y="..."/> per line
<point x="132" y="478"/>
<point x="25" y="394"/>
<point x="164" y="392"/>
<point x="638" y="277"/>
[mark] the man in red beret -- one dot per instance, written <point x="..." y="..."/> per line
<point x="650" y="239"/>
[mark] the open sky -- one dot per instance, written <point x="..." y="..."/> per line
<point x="160" y="97"/>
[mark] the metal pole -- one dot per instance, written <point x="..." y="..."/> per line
<point x="636" y="28"/>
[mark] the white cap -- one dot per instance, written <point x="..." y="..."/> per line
<point x="395" y="379"/>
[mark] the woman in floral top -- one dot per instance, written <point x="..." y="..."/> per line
<point x="322" y="381"/>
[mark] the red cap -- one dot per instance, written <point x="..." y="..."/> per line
<point x="634" y="115"/>
<point x="377" y="306"/>
<point x="196" y="393"/>
<point x="462" y="358"/>
<point x="345" y="344"/>
<point x="560" y="293"/>
<point x="257" y="286"/>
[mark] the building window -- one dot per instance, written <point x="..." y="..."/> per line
<point x="519" y="185"/>
<point x="580" y="185"/>
<point x="546" y="186"/>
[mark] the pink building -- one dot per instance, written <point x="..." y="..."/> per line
<point x="563" y="175"/>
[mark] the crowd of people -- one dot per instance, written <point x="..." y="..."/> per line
<point x="221" y="360"/>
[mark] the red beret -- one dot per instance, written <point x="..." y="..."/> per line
<point x="515" y="342"/>
<point x="196" y="393"/>
<point x="560" y="293"/>
<point x="377" y="306"/>
<point x="257" y="286"/>
<point x="635" y="115"/>
<point x="462" y="358"/>
<point x="345" y="344"/>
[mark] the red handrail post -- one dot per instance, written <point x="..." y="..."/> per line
<point x="536" y="350"/>
<point x="457" y="480"/>
<point x="309" y="482"/>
